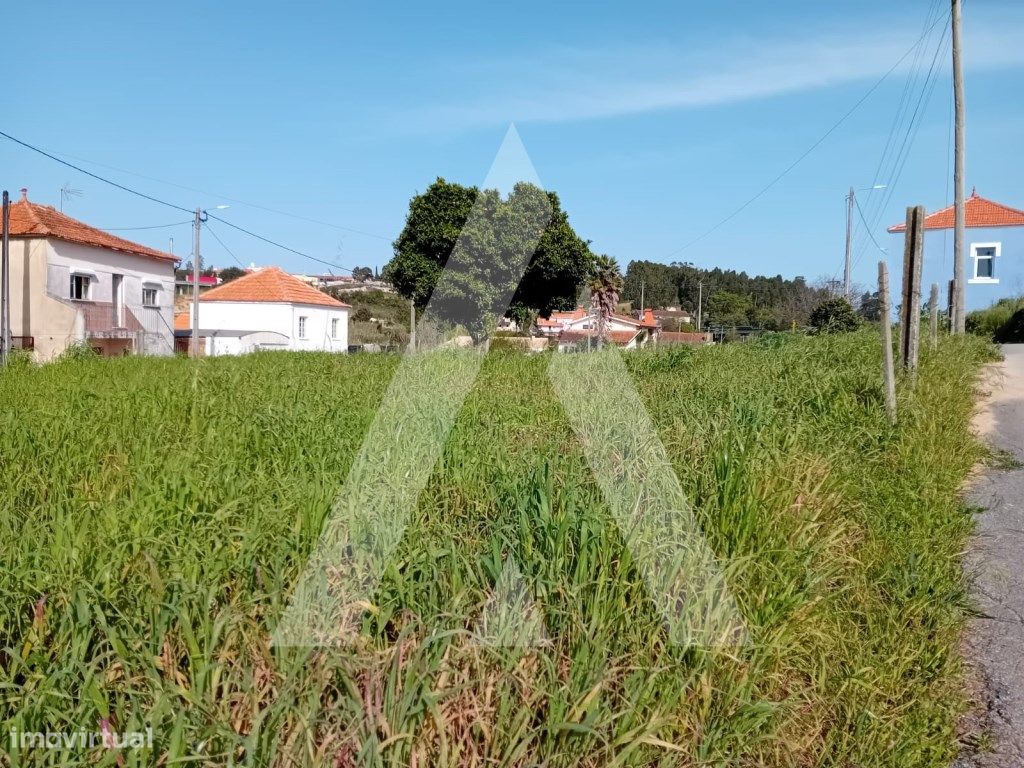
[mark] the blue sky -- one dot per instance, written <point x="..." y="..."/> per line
<point x="652" y="121"/>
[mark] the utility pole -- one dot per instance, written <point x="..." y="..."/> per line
<point x="910" y="310"/>
<point x="933" y="316"/>
<point x="700" y="302"/>
<point x="848" y="263"/>
<point x="5" y="283"/>
<point x="959" y="182"/>
<point x="641" y="298"/>
<point x="195" y="281"/>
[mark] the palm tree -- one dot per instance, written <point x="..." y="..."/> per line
<point x="605" y="285"/>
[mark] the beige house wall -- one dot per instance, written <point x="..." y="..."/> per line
<point x="53" y="324"/>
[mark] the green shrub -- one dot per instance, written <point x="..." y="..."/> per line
<point x="80" y="350"/>
<point x="1012" y="331"/>
<point x="834" y="316"/>
<point x="989" y="323"/>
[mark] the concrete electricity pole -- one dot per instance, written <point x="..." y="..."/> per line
<point x="195" y="281"/>
<point x="959" y="182"/>
<point x="5" y="283"/>
<point x="848" y="263"/>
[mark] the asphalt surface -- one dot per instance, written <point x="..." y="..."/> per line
<point x="995" y="644"/>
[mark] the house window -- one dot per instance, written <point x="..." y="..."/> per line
<point x="149" y="297"/>
<point x="334" y="328"/>
<point x="80" y="287"/>
<point x="302" y="327"/>
<point x="985" y="256"/>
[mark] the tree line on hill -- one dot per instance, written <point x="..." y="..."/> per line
<point x="482" y="240"/>
<point x="730" y="298"/>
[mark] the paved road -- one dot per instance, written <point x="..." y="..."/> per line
<point x="996" y="639"/>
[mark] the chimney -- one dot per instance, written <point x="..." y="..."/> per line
<point x="24" y="194"/>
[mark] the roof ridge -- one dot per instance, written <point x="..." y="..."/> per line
<point x="270" y="284"/>
<point x="47" y="221"/>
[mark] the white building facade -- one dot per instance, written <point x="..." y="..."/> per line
<point x="271" y="309"/>
<point x="74" y="284"/>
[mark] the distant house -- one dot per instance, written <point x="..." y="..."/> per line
<point x="675" y="339"/>
<point x="578" y="328"/>
<point x="558" y="321"/>
<point x="183" y="284"/>
<point x="74" y="284"/>
<point x="994" y="251"/>
<point x="267" y="309"/>
<point x="672" y="319"/>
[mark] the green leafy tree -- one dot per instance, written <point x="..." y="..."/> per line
<point x="726" y="308"/>
<point x="362" y="274"/>
<point x="656" y="285"/>
<point x="834" y="316"/>
<point x="870" y="308"/>
<point x="228" y="274"/>
<point x="492" y="243"/>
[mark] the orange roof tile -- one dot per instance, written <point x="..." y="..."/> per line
<point x="30" y="219"/>
<point x="559" y="318"/>
<point x="270" y="284"/>
<point x="182" y="321"/>
<point x="647" y="321"/>
<point x="617" y="337"/>
<point x="672" y="337"/>
<point x="979" y="213"/>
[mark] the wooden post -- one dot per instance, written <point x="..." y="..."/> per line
<point x="951" y="305"/>
<point x="933" y="310"/>
<point x="910" y="308"/>
<point x="888" y="368"/>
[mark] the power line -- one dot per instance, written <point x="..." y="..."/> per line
<point x="222" y="245"/>
<point x="171" y="205"/>
<point x="153" y="226"/>
<point x="813" y="147"/>
<point x="866" y="227"/>
<point x="93" y="175"/>
<point x="904" y="103"/>
<point x="910" y="132"/>
<point x="255" y="206"/>
<point x="278" y="245"/>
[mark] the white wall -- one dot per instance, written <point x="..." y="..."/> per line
<point x="158" y="321"/>
<point x="279" y="318"/>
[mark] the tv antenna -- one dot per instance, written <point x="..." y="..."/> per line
<point x="66" y="193"/>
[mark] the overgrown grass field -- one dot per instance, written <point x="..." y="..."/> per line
<point x="157" y="513"/>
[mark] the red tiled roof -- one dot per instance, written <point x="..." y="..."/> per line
<point x="672" y="337"/>
<point x="648" y="320"/>
<point x="270" y="284"/>
<point x="30" y="219"/>
<point x="182" y="321"/>
<point x="979" y="211"/>
<point x="616" y="337"/>
<point x="558" y="318"/>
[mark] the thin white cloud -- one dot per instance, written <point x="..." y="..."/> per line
<point x="567" y="85"/>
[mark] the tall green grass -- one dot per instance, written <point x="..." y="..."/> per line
<point x="156" y="515"/>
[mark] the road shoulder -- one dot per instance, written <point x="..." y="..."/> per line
<point x="995" y="637"/>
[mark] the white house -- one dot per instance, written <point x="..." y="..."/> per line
<point x="269" y="309"/>
<point x="579" y="328"/>
<point x="72" y="284"/>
